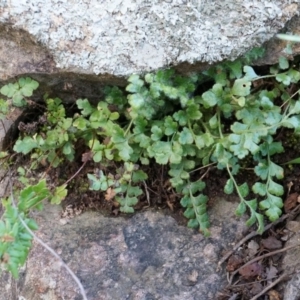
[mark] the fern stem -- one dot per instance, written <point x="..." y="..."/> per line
<point x="219" y="124"/>
<point x="128" y="128"/>
<point x="235" y="184"/>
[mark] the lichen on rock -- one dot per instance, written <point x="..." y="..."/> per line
<point x="122" y="37"/>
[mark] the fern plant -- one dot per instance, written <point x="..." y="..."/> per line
<point x="163" y="118"/>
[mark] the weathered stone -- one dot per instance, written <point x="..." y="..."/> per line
<point x="292" y="289"/>
<point x="276" y="47"/>
<point x="147" y="256"/>
<point x="291" y="263"/>
<point x="124" y="37"/>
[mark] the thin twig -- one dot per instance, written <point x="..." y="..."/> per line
<point x="147" y="193"/>
<point x="251" y="282"/>
<point x="152" y="191"/>
<point x="161" y="186"/>
<point x="76" y="279"/>
<point x="203" y="167"/>
<point x="253" y="234"/>
<point x="260" y="258"/>
<point x="204" y="173"/>
<point x="82" y="166"/>
<point x="77" y="172"/>
<point x="268" y="287"/>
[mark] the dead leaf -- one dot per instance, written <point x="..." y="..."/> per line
<point x="171" y="205"/>
<point x="5" y="258"/>
<point x="289" y="185"/>
<point x="14" y="114"/>
<point x="251" y="271"/>
<point x="293" y="226"/>
<point x="116" y="204"/>
<point x="44" y="162"/>
<point x="274" y="295"/>
<point x="271" y="272"/>
<point x="87" y="156"/>
<point x="291" y="202"/>
<point x="116" y="211"/>
<point x="6" y="238"/>
<point x="106" y="141"/>
<point x="256" y="288"/>
<point x="285" y="235"/>
<point x="110" y="194"/>
<point x="271" y="243"/>
<point x="252" y="248"/>
<point x="234" y="262"/>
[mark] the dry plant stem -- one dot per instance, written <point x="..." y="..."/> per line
<point x="203" y="167"/>
<point x="282" y="277"/>
<point x="50" y="166"/>
<point x="261" y="257"/>
<point x="152" y="191"/>
<point x="147" y="193"/>
<point x="76" y="279"/>
<point x="235" y="285"/>
<point x="161" y="183"/>
<point x="77" y="172"/>
<point x="253" y="234"/>
<point x="206" y="172"/>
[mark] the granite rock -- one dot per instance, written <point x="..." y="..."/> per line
<point x="146" y="256"/>
<point x="121" y="37"/>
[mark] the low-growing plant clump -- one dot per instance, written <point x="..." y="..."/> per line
<point x="161" y="118"/>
